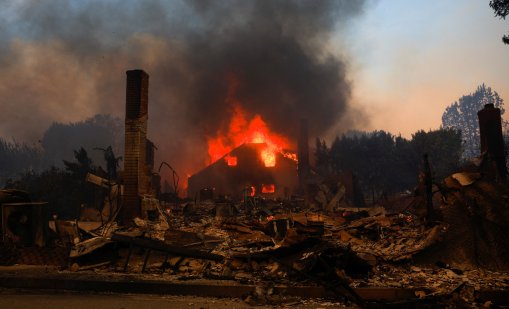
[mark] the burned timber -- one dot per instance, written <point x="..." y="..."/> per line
<point x="261" y="224"/>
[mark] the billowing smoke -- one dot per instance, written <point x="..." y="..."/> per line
<point x="65" y="61"/>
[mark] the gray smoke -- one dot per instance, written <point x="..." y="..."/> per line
<point x="65" y="61"/>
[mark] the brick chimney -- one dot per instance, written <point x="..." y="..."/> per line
<point x="492" y="141"/>
<point x="136" y="179"/>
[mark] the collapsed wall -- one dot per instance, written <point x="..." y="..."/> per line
<point x="476" y="226"/>
<point x="474" y="205"/>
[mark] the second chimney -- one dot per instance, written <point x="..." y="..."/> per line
<point x="492" y="140"/>
<point x="303" y="156"/>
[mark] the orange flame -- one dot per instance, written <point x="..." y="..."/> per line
<point x="268" y="188"/>
<point x="241" y="130"/>
<point x="269" y="157"/>
<point x="231" y="160"/>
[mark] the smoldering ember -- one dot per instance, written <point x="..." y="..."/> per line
<point x="274" y="215"/>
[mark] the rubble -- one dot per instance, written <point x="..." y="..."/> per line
<point x="447" y="244"/>
<point x="279" y="243"/>
<point x="352" y="247"/>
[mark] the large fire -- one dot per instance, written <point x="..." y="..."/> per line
<point x="243" y="130"/>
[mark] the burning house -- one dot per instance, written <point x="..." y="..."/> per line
<point x="250" y="169"/>
<point x="246" y="159"/>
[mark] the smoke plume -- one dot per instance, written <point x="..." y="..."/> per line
<point x="65" y="61"/>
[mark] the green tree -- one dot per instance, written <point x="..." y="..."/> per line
<point x="462" y="116"/>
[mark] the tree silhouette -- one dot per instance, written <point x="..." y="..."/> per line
<point x="17" y="158"/>
<point x="385" y="164"/>
<point x="61" y="139"/>
<point x="501" y="8"/>
<point x="82" y="166"/>
<point x="462" y="116"/>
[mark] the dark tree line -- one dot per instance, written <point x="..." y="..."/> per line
<point x="57" y="145"/>
<point x="386" y="164"/>
<point x="16" y="158"/>
<point x="55" y="171"/>
<point x="65" y="189"/>
<point x="99" y="131"/>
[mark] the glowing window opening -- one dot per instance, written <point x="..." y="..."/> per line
<point x="231" y="160"/>
<point x="270" y="188"/>
<point x="269" y="157"/>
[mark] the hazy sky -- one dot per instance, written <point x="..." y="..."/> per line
<point x="406" y="60"/>
<point x="411" y="59"/>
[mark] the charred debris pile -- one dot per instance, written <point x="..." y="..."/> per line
<point x="445" y="240"/>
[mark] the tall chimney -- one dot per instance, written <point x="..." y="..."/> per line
<point x="303" y="155"/>
<point x="135" y="174"/>
<point x="492" y="141"/>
